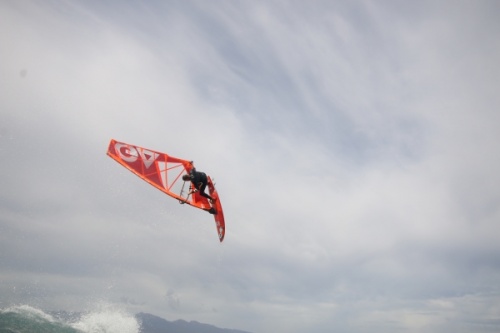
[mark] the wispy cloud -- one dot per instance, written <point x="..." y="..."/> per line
<point x="353" y="145"/>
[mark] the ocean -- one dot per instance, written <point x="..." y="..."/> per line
<point x="27" y="319"/>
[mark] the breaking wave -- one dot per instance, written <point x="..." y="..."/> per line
<point x="27" y="319"/>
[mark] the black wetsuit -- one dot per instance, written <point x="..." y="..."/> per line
<point x="199" y="180"/>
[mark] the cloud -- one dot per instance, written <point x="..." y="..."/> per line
<point x="353" y="145"/>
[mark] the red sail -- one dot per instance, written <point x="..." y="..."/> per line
<point x="165" y="173"/>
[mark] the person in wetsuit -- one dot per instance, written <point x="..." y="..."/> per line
<point x="199" y="181"/>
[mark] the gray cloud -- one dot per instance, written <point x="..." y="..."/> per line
<point x="353" y="145"/>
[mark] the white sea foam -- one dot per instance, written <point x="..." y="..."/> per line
<point x="28" y="312"/>
<point x="107" y="319"/>
<point x="104" y="318"/>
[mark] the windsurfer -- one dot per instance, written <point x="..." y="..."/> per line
<point x="199" y="181"/>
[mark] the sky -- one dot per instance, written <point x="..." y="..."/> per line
<point x="354" y="145"/>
